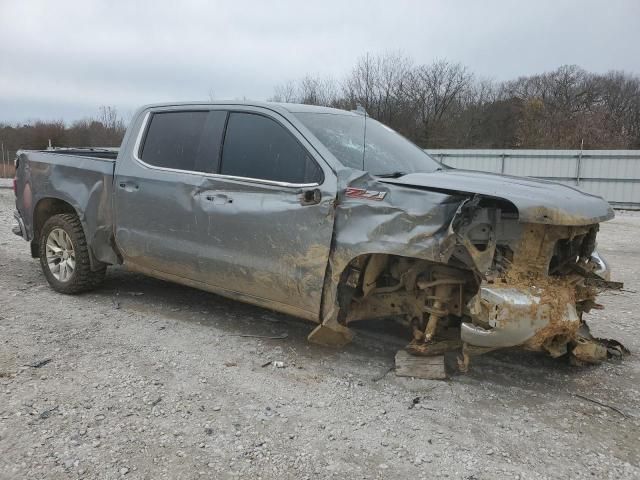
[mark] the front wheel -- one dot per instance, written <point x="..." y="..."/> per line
<point x="64" y="256"/>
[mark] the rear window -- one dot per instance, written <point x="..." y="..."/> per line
<point x="258" y="147"/>
<point x="184" y="140"/>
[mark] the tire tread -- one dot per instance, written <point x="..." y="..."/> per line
<point x="84" y="279"/>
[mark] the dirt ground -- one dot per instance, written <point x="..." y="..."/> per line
<point x="146" y="379"/>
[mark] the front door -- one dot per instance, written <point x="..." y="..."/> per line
<point x="267" y="218"/>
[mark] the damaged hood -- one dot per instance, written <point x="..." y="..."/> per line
<point x="537" y="201"/>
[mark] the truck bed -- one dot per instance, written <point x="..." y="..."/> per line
<point x="82" y="178"/>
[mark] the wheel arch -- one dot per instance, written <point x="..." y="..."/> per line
<point x="46" y="208"/>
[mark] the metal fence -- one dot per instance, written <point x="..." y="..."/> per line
<point x="6" y="162"/>
<point x="611" y="174"/>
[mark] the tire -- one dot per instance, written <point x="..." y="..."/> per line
<point x="67" y="267"/>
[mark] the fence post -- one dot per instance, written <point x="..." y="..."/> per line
<point x="578" y="167"/>
<point x="502" y="163"/>
<point x="4" y="168"/>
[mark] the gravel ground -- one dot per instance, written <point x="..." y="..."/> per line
<point x="151" y="380"/>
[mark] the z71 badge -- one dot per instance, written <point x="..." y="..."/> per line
<point x="367" y="194"/>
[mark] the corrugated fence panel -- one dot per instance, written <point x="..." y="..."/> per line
<point x="612" y="174"/>
<point x="602" y="167"/>
<point x="469" y="160"/>
<point x="529" y="166"/>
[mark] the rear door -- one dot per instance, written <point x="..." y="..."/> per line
<point x="268" y="215"/>
<point x="157" y="189"/>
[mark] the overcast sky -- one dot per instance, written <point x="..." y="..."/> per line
<point x="62" y="59"/>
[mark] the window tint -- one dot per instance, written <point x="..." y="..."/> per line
<point x="258" y="147"/>
<point x="184" y="140"/>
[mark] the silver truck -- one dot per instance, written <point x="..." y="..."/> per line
<point x="327" y="215"/>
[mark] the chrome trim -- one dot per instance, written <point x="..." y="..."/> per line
<point x="602" y="267"/>
<point x="136" y="149"/>
<point x="141" y="131"/>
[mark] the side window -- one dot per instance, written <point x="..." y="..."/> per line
<point x="184" y="140"/>
<point x="258" y="147"/>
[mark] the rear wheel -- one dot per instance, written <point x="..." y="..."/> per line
<point x="64" y="256"/>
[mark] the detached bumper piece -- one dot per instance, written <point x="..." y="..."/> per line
<point x="538" y="319"/>
<point x="507" y="317"/>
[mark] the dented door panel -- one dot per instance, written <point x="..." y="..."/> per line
<point x="157" y="219"/>
<point x="262" y="240"/>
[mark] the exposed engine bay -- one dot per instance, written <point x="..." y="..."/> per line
<point x="506" y="284"/>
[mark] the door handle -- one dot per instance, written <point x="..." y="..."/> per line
<point x="128" y="186"/>
<point x="310" y="197"/>
<point x="218" y="198"/>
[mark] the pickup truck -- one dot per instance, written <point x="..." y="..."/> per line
<point x="327" y="215"/>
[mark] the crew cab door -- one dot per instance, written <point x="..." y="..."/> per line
<point x="156" y="189"/>
<point x="267" y="217"/>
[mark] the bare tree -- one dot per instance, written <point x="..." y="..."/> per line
<point x="620" y="94"/>
<point x="443" y="105"/>
<point x="317" y="91"/>
<point x="433" y="89"/>
<point x="285" y="93"/>
<point x="108" y="117"/>
<point x="379" y="83"/>
<point x="312" y="90"/>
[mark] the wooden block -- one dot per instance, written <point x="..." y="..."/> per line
<point x="431" y="368"/>
<point x="434" y="349"/>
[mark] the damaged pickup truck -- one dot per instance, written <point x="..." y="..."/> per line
<point x="326" y="215"/>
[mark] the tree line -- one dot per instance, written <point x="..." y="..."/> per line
<point x="444" y="105"/>
<point x="106" y="129"/>
<point x="437" y="105"/>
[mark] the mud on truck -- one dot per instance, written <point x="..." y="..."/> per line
<point x="327" y="215"/>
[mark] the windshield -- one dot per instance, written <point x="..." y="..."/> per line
<point x="387" y="152"/>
